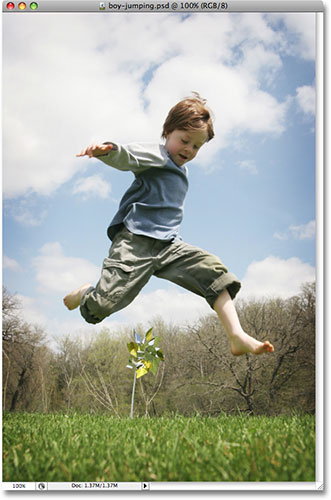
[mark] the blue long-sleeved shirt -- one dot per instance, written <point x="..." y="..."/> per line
<point x="153" y="205"/>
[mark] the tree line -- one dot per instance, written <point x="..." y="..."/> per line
<point x="199" y="374"/>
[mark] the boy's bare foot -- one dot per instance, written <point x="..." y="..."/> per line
<point x="243" y="344"/>
<point x="72" y="300"/>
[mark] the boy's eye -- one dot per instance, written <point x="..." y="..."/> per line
<point x="184" y="142"/>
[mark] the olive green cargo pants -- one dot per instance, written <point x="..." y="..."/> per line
<point x="133" y="259"/>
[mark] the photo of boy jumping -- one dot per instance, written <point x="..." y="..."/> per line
<point x="145" y="230"/>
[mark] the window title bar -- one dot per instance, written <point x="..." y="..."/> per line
<point x="164" y="6"/>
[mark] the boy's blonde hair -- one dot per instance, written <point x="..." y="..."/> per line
<point x="189" y="114"/>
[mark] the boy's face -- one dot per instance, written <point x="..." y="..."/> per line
<point x="183" y="145"/>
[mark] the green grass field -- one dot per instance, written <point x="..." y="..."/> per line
<point x="60" y="448"/>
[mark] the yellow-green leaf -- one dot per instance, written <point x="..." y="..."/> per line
<point x="144" y="369"/>
<point x="159" y="353"/>
<point x="149" y="335"/>
<point x="148" y="364"/>
<point x="133" y="347"/>
<point x="155" y="366"/>
<point x="141" y="372"/>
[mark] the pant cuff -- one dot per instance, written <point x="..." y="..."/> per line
<point x="228" y="281"/>
<point x="84" y="310"/>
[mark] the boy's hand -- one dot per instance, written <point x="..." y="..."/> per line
<point x="95" y="150"/>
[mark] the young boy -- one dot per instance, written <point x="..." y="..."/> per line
<point x="144" y="231"/>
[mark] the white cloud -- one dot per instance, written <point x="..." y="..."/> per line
<point x="26" y="211"/>
<point x="304" y="231"/>
<point x="94" y="82"/>
<point x="300" y="232"/>
<point x="11" y="264"/>
<point x="260" y="62"/>
<point x="276" y="277"/>
<point x="232" y="97"/>
<point x="27" y="218"/>
<point x="299" y="38"/>
<point x="172" y="305"/>
<point x="305" y="98"/>
<point x="31" y="311"/>
<point x="248" y="166"/>
<point x="56" y="272"/>
<point x="280" y="236"/>
<point x="93" y="185"/>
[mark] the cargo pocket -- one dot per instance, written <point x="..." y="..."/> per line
<point x="115" y="279"/>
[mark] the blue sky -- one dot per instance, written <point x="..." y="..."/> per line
<point x="114" y="77"/>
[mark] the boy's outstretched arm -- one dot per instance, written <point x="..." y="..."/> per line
<point x="95" y="150"/>
<point x="130" y="157"/>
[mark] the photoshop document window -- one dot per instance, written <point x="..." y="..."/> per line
<point x="174" y="140"/>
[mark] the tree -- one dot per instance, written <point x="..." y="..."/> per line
<point x="21" y="342"/>
<point x="290" y="324"/>
<point x="263" y="383"/>
<point x="199" y="373"/>
<point x="68" y="363"/>
<point x="102" y="365"/>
